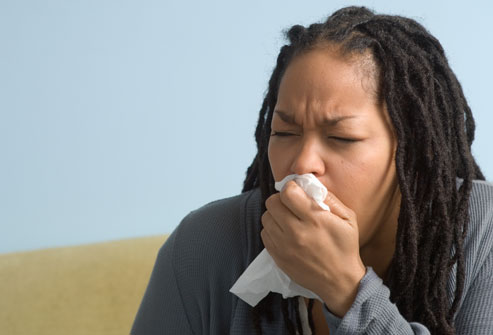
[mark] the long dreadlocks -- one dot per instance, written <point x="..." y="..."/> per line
<point x="434" y="129"/>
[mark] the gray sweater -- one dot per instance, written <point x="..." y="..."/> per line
<point x="188" y="292"/>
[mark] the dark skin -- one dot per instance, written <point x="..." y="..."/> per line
<point x="328" y="122"/>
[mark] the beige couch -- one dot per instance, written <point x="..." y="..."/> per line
<point x="88" y="289"/>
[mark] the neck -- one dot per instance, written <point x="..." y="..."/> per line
<point x="379" y="251"/>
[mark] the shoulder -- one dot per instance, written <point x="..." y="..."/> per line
<point x="481" y="196"/>
<point x="481" y="214"/>
<point x="203" y="257"/>
<point x="478" y="259"/>
<point x="215" y="239"/>
<point x="219" y="223"/>
<point x="478" y="244"/>
<point x="195" y="269"/>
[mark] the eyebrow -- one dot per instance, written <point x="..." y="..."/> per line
<point x="330" y="122"/>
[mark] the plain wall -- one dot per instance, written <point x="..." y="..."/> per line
<point x="117" y="118"/>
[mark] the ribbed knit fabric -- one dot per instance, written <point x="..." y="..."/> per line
<point x="188" y="292"/>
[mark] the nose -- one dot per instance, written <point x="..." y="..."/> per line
<point x="309" y="158"/>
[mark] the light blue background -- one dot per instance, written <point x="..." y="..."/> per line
<point x="119" y="117"/>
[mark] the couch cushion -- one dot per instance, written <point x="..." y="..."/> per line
<point x="87" y="289"/>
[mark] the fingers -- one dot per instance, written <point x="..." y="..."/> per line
<point x="270" y="224"/>
<point x="267" y="240"/>
<point x="299" y="203"/>
<point x="338" y="208"/>
<point x="272" y="230"/>
<point x="278" y="210"/>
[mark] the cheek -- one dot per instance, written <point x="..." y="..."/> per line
<point x="372" y="182"/>
<point x="280" y="154"/>
<point x="363" y="181"/>
<point x="275" y="159"/>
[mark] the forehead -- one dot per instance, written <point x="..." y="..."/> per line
<point x="324" y="81"/>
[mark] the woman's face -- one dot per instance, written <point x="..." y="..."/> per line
<point x="327" y="121"/>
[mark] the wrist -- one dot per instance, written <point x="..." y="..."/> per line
<point x="342" y="298"/>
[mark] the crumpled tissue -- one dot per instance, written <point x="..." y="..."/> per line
<point x="262" y="275"/>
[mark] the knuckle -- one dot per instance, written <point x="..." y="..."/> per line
<point x="265" y="217"/>
<point x="283" y="196"/>
<point x="290" y="185"/>
<point x="290" y="190"/>
<point x="352" y="215"/>
<point x="271" y="201"/>
<point x="263" y="236"/>
<point x="331" y="197"/>
<point x="301" y="240"/>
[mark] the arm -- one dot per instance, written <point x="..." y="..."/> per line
<point x="372" y="312"/>
<point x="162" y="310"/>
<point x="193" y="273"/>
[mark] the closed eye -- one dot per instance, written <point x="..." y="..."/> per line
<point x="336" y="138"/>
<point x="281" y="133"/>
<point x="343" y="139"/>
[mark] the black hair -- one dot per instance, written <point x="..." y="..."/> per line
<point x="434" y="129"/>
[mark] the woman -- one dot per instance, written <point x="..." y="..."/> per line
<point x="369" y="105"/>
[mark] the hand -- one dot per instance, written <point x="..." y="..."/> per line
<point x="317" y="249"/>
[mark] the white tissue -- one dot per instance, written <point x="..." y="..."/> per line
<point x="262" y="275"/>
<point x="310" y="184"/>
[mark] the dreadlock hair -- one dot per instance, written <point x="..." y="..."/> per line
<point x="434" y="128"/>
